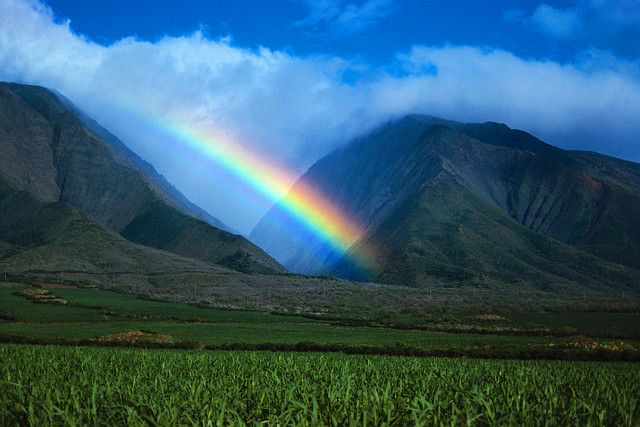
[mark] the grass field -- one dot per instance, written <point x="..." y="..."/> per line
<point x="93" y="316"/>
<point x="49" y="385"/>
<point x="317" y="384"/>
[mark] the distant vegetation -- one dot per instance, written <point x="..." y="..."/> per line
<point x="97" y="318"/>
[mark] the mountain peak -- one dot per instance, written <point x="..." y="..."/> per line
<point x="448" y="201"/>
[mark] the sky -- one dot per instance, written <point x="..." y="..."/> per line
<point x="292" y="80"/>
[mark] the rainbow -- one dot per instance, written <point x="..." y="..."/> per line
<point x="302" y="202"/>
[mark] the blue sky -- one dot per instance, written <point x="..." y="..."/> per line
<point x="374" y="31"/>
<point x="294" y="79"/>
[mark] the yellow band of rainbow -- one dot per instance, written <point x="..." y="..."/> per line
<point x="302" y="202"/>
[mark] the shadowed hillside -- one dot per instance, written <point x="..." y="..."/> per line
<point x="49" y="238"/>
<point x="48" y="151"/>
<point x="481" y="203"/>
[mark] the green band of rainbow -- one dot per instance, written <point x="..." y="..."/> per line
<point x="301" y="201"/>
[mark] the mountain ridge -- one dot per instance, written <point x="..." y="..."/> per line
<point x="148" y="171"/>
<point x="51" y="153"/>
<point x="589" y="204"/>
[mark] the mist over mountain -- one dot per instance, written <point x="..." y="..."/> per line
<point x="441" y="202"/>
<point x="52" y="153"/>
<point x="447" y="202"/>
<point x="295" y="106"/>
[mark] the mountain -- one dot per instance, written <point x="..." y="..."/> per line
<point x="56" y="154"/>
<point x="54" y="242"/>
<point x="447" y="202"/>
<point x="45" y="237"/>
<point x="148" y="172"/>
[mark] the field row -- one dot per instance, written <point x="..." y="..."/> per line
<point x="94" y="305"/>
<point x="65" y="385"/>
<point x="96" y="317"/>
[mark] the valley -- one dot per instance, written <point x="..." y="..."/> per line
<point x="319" y="213"/>
<point x="484" y="250"/>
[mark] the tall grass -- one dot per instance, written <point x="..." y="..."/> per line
<point x="44" y="385"/>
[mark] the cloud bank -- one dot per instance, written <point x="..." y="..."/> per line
<point x="296" y="109"/>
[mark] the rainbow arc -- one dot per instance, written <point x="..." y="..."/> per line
<point x="302" y="202"/>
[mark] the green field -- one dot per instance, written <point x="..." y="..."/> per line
<point x="92" y="316"/>
<point x="50" y="385"/>
<point x="218" y="381"/>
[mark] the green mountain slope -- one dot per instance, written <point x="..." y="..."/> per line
<point x="48" y="151"/>
<point x="162" y="227"/>
<point x="446" y="202"/>
<point x="55" y="237"/>
<point x="446" y="234"/>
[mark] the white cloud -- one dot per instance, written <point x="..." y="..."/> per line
<point x="295" y="109"/>
<point x="601" y="24"/>
<point x="563" y="23"/>
<point x="342" y="17"/>
<point x="578" y="106"/>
